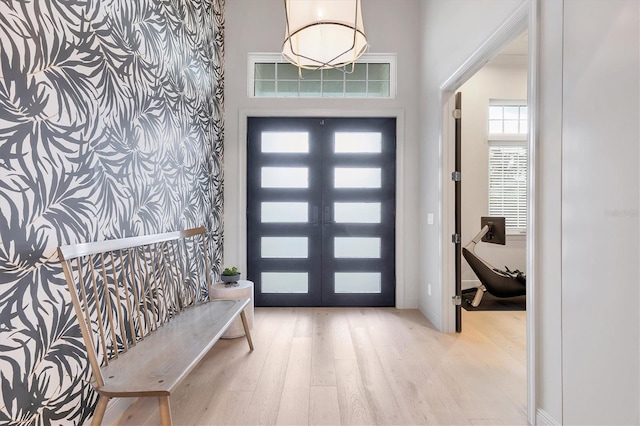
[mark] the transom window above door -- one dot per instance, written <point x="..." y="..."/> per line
<point x="373" y="76"/>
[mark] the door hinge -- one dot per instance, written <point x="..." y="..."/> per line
<point x="456" y="113"/>
<point x="455" y="238"/>
<point x="456" y="176"/>
<point x="456" y="300"/>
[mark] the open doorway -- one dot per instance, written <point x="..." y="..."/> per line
<point x="512" y="31"/>
<point x="493" y="160"/>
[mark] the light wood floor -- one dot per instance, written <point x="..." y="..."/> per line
<point x="338" y="366"/>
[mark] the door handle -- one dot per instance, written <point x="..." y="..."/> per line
<point x="327" y="216"/>
<point x="314" y="215"/>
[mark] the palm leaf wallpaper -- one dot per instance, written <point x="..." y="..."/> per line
<point x="111" y="125"/>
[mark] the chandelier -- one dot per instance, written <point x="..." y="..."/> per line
<point x="323" y="34"/>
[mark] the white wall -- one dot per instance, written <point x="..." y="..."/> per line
<point x="258" y="26"/>
<point x="600" y="181"/>
<point x="451" y="31"/>
<point x="491" y="82"/>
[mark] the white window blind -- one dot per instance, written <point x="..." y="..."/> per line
<point x="508" y="183"/>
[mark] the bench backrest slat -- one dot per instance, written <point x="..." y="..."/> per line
<point x="123" y="335"/>
<point x="123" y="290"/>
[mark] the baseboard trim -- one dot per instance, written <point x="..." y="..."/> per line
<point x="543" y="418"/>
<point x="115" y="410"/>
<point x="408" y="304"/>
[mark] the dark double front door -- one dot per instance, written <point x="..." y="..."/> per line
<point x="321" y="211"/>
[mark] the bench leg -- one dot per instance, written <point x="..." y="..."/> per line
<point x="101" y="407"/>
<point x="246" y="329"/>
<point x="165" y="410"/>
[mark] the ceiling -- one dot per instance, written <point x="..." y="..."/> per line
<point x="513" y="54"/>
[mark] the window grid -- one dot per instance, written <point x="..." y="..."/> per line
<point x="508" y="184"/>
<point x="507" y="118"/>
<point x="282" y="80"/>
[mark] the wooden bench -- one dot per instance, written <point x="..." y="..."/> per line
<point x="155" y="320"/>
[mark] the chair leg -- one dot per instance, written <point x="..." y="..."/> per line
<point x="478" y="297"/>
<point x="165" y="410"/>
<point x="246" y="329"/>
<point x="101" y="407"/>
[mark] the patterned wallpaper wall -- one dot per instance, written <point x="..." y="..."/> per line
<point x="110" y="125"/>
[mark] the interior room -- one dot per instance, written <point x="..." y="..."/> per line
<point x="494" y="166"/>
<point x="122" y="120"/>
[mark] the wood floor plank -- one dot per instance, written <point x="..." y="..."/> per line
<point x="323" y="369"/>
<point x="352" y="400"/>
<point x="294" y="405"/>
<point x="330" y="366"/>
<point x="264" y="405"/>
<point x="266" y="326"/>
<point x="385" y="408"/>
<point x="304" y="323"/>
<point x="141" y="412"/>
<point x="323" y="406"/>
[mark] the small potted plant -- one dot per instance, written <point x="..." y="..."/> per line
<point x="230" y="275"/>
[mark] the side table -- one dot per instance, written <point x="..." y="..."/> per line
<point x="243" y="290"/>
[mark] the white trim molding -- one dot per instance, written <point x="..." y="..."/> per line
<point x="544" y="419"/>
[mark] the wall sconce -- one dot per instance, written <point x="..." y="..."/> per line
<point x="323" y="34"/>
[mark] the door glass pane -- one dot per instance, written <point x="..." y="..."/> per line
<point x="356" y="247"/>
<point x="287" y="247"/>
<point x="346" y="177"/>
<point x="285" y="282"/>
<point x="358" y="142"/>
<point x="357" y="212"/>
<point x="285" y="177"/>
<point x="358" y="282"/>
<point x="285" y="142"/>
<point x="284" y="212"/>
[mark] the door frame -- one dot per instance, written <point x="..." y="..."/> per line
<point x="525" y="17"/>
<point x="241" y="169"/>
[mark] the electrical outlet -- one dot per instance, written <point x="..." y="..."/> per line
<point x="429" y="289"/>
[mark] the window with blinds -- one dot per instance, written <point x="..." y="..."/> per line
<point x="508" y="183"/>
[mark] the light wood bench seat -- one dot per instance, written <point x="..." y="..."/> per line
<point x="150" y="370"/>
<point x="157" y="322"/>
